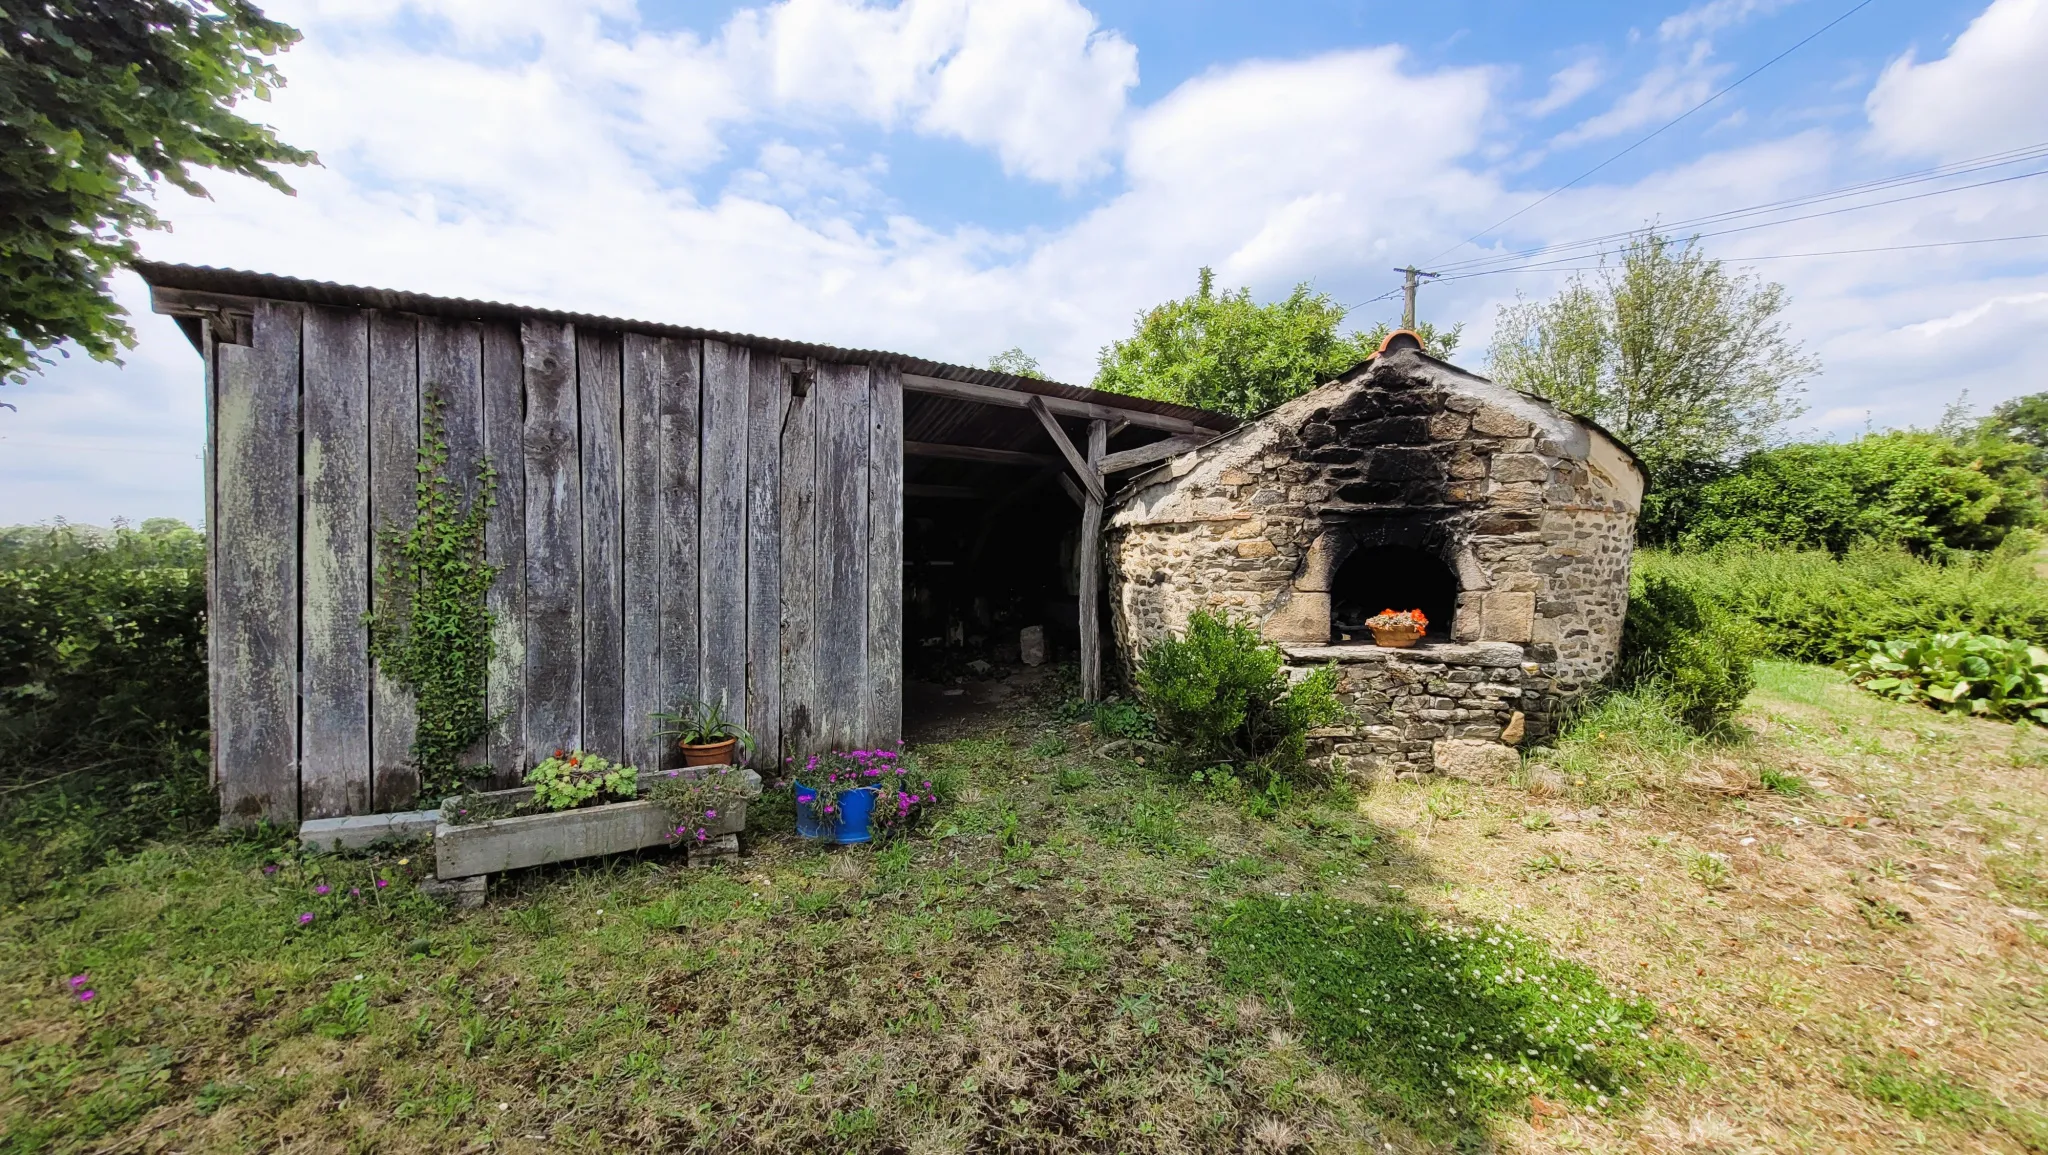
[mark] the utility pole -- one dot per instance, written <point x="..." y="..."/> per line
<point x="1410" y="282"/>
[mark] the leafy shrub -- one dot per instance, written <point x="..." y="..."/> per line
<point x="1812" y="607"/>
<point x="1927" y="492"/>
<point x="1454" y="1022"/>
<point x="1217" y="694"/>
<point x="1963" y="673"/>
<point x="1697" y="655"/>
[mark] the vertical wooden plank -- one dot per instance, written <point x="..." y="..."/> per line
<point x="677" y="381"/>
<point x="884" y="710"/>
<point x="451" y="377"/>
<point x="766" y="401"/>
<point x="394" y="481"/>
<point x="451" y="373"/>
<point x="640" y="466"/>
<point x="722" y="527"/>
<point x="258" y="508"/>
<point x="211" y="338"/>
<point x="334" y="660"/>
<point x="598" y="395"/>
<point x="554" y="541"/>
<point x="1091" y="573"/>
<point x="504" y="391"/>
<point x="799" y="558"/>
<point x="842" y="553"/>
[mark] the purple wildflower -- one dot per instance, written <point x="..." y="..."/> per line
<point x="88" y="995"/>
<point x="305" y="918"/>
<point x="382" y="883"/>
<point x="323" y="888"/>
<point x="355" y="892"/>
<point x="270" y="868"/>
<point x="711" y="814"/>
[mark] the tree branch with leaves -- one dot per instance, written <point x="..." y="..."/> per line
<point x="100" y="102"/>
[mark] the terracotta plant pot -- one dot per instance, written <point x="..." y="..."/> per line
<point x="1396" y="637"/>
<point x="710" y="753"/>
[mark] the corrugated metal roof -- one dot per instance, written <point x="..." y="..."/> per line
<point x="241" y="283"/>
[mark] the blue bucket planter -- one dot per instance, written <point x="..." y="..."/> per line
<point x="848" y="824"/>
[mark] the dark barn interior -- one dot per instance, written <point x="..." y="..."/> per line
<point x="994" y="508"/>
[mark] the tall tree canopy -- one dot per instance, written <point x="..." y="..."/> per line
<point x="99" y="101"/>
<point x="1226" y="352"/>
<point x="1681" y="359"/>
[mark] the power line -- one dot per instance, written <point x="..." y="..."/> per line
<point x="1551" y="268"/>
<point x="1795" y="220"/>
<point x="1853" y="10"/>
<point x="1900" y="180"/>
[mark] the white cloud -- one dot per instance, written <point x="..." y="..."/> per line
<point x="1663" y="93"/>
<point x="1988" y="93"/>
<point x="1711" y="17"/>
<point x="1567" y="85"/>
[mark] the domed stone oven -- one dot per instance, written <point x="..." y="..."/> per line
<point x="1405" y="484"/>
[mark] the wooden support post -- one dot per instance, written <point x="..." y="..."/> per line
<point x="1091" y="567"/>
<point x="1085" y="470"/>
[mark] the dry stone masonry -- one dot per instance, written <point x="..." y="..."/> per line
<point x="1406" y="483"/>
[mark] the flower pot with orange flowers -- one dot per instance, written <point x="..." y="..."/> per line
<point x="1397" y="630"/>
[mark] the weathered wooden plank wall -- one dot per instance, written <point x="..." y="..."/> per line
<point x="334" y="659"/>
<point x="672" y="519"/>
<point x="505" y="548"/>
<point x="256" y="541"/>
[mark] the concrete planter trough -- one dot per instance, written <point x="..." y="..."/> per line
<point x="487" y="847"/>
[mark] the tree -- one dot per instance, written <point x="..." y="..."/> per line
<point x="100" y="101"/>
<point x="1016" y="362"/>
<point x="1226" y="352"/>
<point x="1680" y="359"/>
<point x="2022" y="419"/>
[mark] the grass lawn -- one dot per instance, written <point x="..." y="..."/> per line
<point x="1830" y="936"/>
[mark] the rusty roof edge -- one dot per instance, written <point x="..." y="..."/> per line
<point x="245" y="283"/>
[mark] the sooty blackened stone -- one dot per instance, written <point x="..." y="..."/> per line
<point x="1405" y="465"/>
<point x="1334" y="455"/>
<point x="1370" y="492"/>
<point x="1410" y="430"/>
<point x="1318" y="433"/>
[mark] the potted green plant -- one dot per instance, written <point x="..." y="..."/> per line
<point x="704" y="734"/>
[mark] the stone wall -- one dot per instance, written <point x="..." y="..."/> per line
<point x="1531" y="509"/>
<point x="1456" y="708"/>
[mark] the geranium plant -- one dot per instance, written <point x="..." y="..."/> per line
<point x="574" y="778"/>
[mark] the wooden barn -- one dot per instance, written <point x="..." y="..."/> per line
<point x="678" y="513"/>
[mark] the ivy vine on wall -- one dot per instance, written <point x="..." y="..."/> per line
<point x="430" y="628"/>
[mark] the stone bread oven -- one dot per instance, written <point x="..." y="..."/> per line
<point x="1407" y="483"/>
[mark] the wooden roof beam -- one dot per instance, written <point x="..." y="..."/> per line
<point x="1090" y="477"/>
<point x="1018" y="399"/>
<point x="1147" y="454"/>
<point x="977" y="453"/>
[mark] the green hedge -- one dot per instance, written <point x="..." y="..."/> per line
<point x="1813" y="607"/>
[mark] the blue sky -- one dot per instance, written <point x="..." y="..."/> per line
<point x="954" y="177"/>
